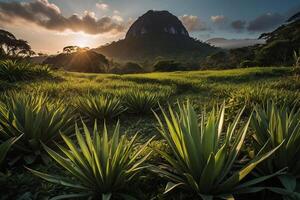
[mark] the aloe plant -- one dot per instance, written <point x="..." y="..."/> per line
<point x="37" y="118"/>
<point x="100" y="107"/>
<point x="203" y="155"/>
<point x="101" y="167"/>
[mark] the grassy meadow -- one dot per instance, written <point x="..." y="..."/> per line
<point x="158" y="155"/>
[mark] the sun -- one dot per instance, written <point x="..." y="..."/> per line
<point x="82" y="40"/>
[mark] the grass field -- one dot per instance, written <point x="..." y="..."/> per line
<point x="202" y="88"/>
<point x="235" y="87"/>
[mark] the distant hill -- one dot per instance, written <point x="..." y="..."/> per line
<point x="87" y="61"/>
<point x="233" y="43"/>
<point x="156" y="33"/>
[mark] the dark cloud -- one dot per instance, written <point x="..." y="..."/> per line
<point x="266" y="22"/>
<point x="238" y="25"/>
<point x="49" y="16"/>
<point x="193" y="23"/>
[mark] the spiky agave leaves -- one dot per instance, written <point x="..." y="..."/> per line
<point x="273" y="124"/>
<point x="102" y="165"/>
<point x="5" y="146"/>
<point x="37" y="118"/>
<point x="100" y="107"/>
<point x="13" y="71"/>
<point x="203" y="156"/>
<point x="138" y="102"/>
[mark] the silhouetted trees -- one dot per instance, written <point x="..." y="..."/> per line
<point x="10" y="46"/>
<point x="74" y="49"/>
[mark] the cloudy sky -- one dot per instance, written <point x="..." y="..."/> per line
<point x="49" y="25"/>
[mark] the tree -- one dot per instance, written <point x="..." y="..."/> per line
<point x="277" y="52"/>
<point x="11" y="46"/>
<point x="74" y="49"/>
<point x="70" y="49"/>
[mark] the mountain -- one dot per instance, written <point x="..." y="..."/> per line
<point x="233" y="43"/>
<point x="157" y="23"/>
<point x="156" y="33"/>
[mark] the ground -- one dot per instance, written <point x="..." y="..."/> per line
<point x="203" y="88"/>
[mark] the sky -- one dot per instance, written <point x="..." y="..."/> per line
<point x="50" y="25"/>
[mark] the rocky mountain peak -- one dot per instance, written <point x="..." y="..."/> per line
<point x="157" y="23"/>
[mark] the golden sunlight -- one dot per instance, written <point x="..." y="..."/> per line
<point x="83" y="40"/>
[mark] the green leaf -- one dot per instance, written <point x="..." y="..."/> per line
<point x="289" y="182"/>
<point x="170" y="186"/>
<point x="106" y="196"/>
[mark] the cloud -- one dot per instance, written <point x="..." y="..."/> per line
<point x="266" y="22"/>
<point x="193" y="23"/>
<point x="116" y="12"/>
<point x="49" y="16"/>
<point x="218" y="19"/>
<point x="102" y="6"/>
<point x="118" y="18"/>
<point x="238" y="25"/>
<point x="233" y="43"/>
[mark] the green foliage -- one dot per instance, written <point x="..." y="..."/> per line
<point x="275" y="53"/>
<point x="141" y="102"/>
<point x="102" y="166"/>
<point x="203" y="156"/>
<point x="167" y="66"/>
<point x="251" y="96"/>
<point x="5" y="146"/>
<point x="4" y="85"/>
<point x="217" y="59"/>
<point x="132" y="67"/>
<point x="13" y="71"/>
<point x="100" y="107"/>
<point x="273" y="125"/>
<point x="13" y="47"/>
<point x="290" y="189"/>
<point x="296" y="56"/>
<point x="37" y="118"/>
<point x="248" y="63"/>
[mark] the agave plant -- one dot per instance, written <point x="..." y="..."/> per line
<point x="5" y="146"/>
<point x="203" y="156"/>
<point x="141" y="102"/>
<point x="100" y="107"/>
<point x="13" y="71"/>
<point x="37" y="118"/>
<point x="273" y="125"/>
<point x="101" y="167"/>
